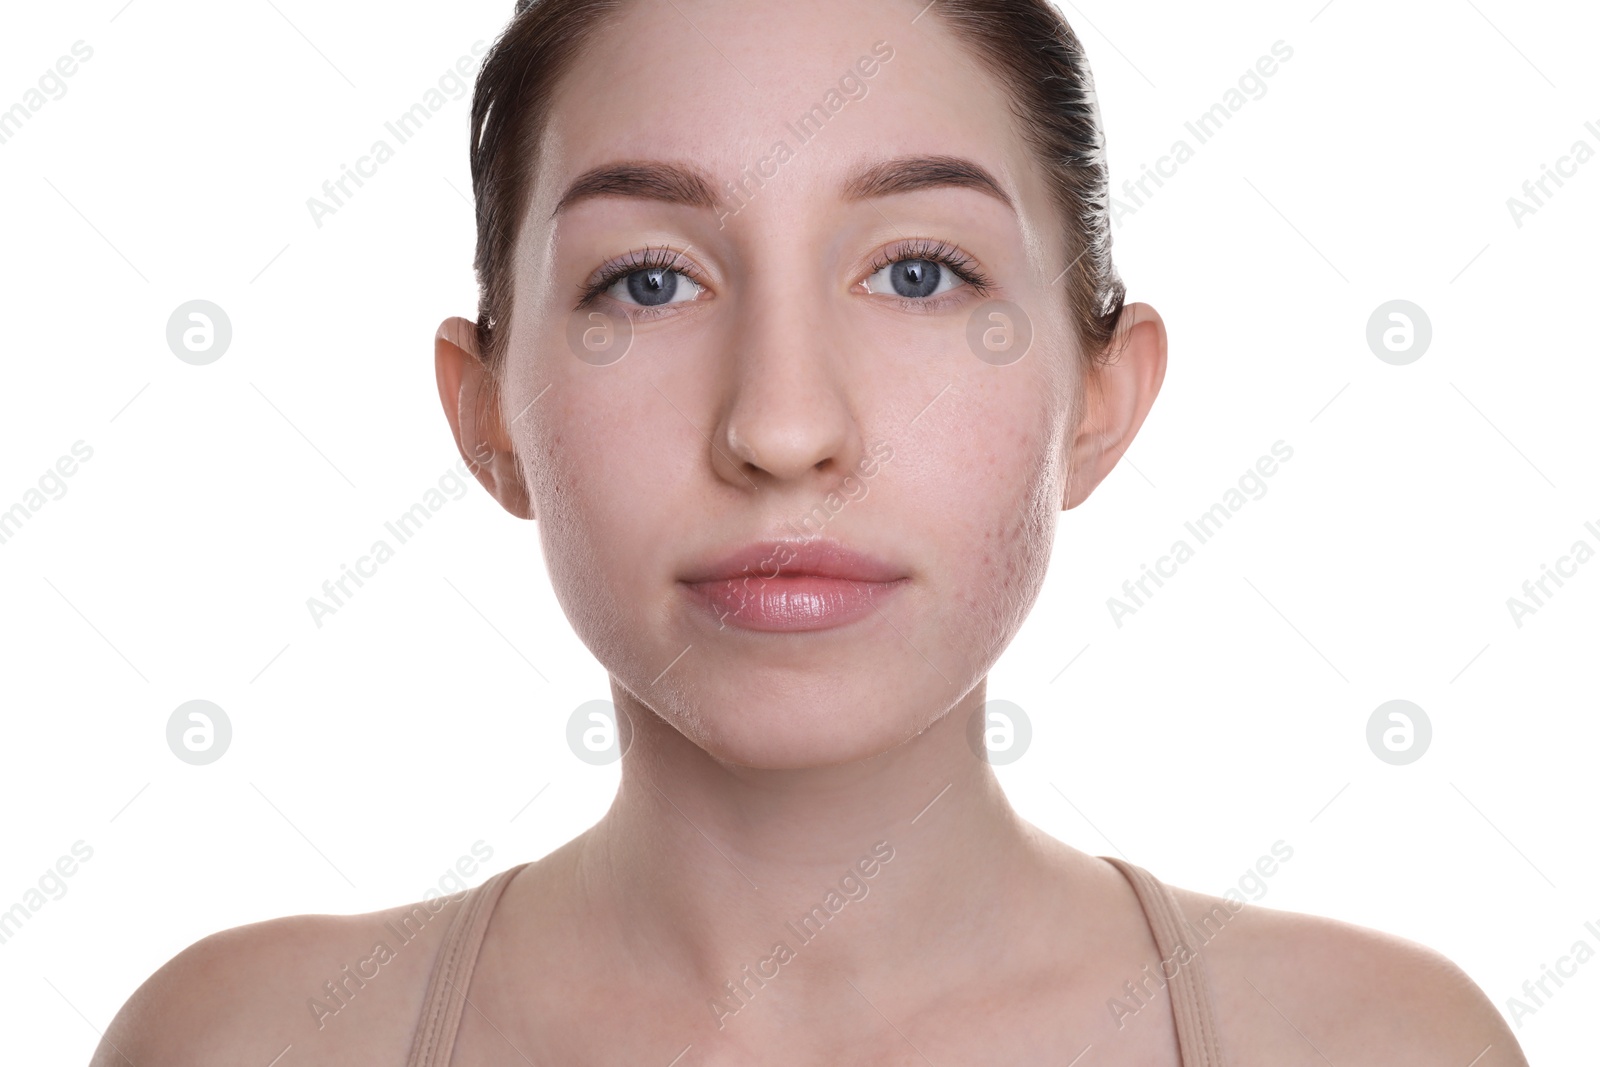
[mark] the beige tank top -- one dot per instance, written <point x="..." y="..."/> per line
<point x="1193" y="1012"/>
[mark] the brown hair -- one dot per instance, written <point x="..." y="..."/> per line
<point x="1025" y="44"/>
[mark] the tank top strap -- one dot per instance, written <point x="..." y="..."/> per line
<point x="435" y="1036"/>
<point x="1193" y="1010"/>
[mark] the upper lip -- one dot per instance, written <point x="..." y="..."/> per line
<point x="818" y="557"/>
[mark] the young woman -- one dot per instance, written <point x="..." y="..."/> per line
<point x="737" y="262"/>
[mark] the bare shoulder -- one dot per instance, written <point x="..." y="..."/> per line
<point x="1302" y="989"/>
<point x="337" y="989"/>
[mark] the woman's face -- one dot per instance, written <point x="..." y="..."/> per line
<point x="784" y="380"/>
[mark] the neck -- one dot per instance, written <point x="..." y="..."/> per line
<point x="712" y="868"/>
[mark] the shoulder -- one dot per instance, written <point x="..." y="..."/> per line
<point x="343" y="989"/>
<point x="1294" y="988"/>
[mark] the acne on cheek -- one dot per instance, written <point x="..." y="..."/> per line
<point x="539" y="472"/>
<point x="1013" y="552"/>
<point x="1012" y="557"/>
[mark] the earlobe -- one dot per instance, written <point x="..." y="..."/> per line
<point x="467" y="391"/>
<point x="1118" y="394"/>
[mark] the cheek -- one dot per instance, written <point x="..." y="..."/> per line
<point x="1002" y="531"/>
<point x="581" y="455"/>
<point x="578" y="432"/>
<point x="1013" y="551"/>
<point x="556" y="470"/>
<point x="594" y="549"/>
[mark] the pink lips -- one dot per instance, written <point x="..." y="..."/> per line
<point x="792" y="585"/>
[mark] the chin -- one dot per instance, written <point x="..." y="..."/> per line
<point x="773" y="729"/>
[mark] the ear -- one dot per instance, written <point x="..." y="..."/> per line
<point x="472" y="405"/>
<point x="1117" y="396"/>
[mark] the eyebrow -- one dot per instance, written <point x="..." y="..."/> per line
<point x="907" y="173"/>
<point x="678" y="183"/>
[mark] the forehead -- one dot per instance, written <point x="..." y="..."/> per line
<point x="720" y="83"/>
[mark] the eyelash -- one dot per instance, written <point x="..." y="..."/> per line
<point x="961" y="265"/>
<point x="650" y="258"/>
<point x="641" y="259"/>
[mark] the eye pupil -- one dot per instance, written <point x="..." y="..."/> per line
<point x="653" y="286"/>
<point x="914" y="277"/>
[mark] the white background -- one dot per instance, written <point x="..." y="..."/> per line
<point x="1227" y="714"/>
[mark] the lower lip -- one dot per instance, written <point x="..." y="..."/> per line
<point x="790" y="604"/>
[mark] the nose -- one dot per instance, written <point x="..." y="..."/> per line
<point x="787" y="416"/>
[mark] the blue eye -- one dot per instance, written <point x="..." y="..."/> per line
<point x="653" y="287"/>
<point x="912" y="278"/>
<point x="924" y="270"/>
<point x="647" y="278"/>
